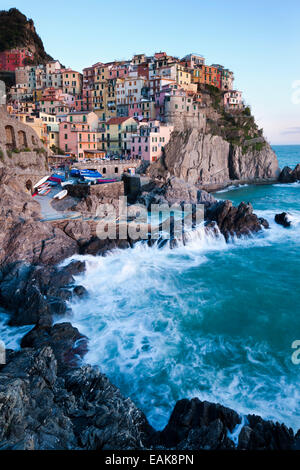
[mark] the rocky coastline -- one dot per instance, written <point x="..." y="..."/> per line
<point x="51" y="400"/>
<point x="48" y="398"/>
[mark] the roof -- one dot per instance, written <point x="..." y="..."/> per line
<point x="118" y="120"/>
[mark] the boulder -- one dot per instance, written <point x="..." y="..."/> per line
<point x="175" y="191"/>
<point x="67" y="344"/>
<point x="235" y="221"/>
<point x="199" y="425"/>
<point x="265" y="435"/>
<point x="282" y="219"/>
<point x="287" y="175"/>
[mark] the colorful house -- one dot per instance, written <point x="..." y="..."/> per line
<point x="233" y="99"/>
<point x="10" y="60"/>
<point x="117" y="136"/>
<point x="75" y="138"/>
<point x="148" y="144"/>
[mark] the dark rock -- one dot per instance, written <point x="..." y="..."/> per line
<point x="265" y="435"/>
<point x="199" y="425"/>
<point x="287" y="175"/>
<point x="282" y="219"/>
<point x="80" y="291"/>
<point x="66" y="342"/>
<point x="30" y="417"/>
<point x="235" y="221"/>
<point x="96" y="246"/>
<point x="296" y="172"/>
<point x="33" y="294"/>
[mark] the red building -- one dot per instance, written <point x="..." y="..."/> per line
<point x="10" y="60"/>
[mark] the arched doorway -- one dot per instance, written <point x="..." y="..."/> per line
<point x="22" y="140"/>
<point x="10" y="137"/>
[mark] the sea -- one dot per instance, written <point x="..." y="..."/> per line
<point x="209" y="319"/>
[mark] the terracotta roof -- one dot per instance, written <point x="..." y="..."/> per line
<point x="118" y="120"/>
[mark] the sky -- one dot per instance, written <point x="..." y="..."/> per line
<point x="259" y="40"/>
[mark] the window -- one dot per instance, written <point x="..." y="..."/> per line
<point x="66" y="136"/>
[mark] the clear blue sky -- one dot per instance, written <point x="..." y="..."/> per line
<point x="258" y="39"/>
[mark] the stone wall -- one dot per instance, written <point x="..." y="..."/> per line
<point x="110" y="168"/>
<point x="20" y="146"/>
<point x="106" y="190"/>
<point x="21" y="150"/>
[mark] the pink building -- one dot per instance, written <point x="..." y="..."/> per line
<point x="233" y="99"/>
<point x="149" y="142"/>
<point x="76" y="138"/>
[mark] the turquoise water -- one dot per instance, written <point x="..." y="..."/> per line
<point x="208" y="319"/>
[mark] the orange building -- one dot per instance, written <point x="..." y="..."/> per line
<point x="207" y="75"/>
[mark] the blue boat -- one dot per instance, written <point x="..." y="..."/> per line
<point x="75" y="172"/>
<point x="90" y="175"/>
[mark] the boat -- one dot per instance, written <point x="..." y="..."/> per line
<point x="61" y="195"/>
<point x="65" y="183"/>
<point x="46" y="191"/>
<point x="39" y="183"/>
<point x="90" y="174"/>
<point x="43" y="187"/>
<point x="106" y="180"/>
<point x="75" y="172"/>
<point x="57" y="178"/>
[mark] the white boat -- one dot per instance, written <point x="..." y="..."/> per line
<point x="61" y="195"/>
<point x="65" y="183"/>
<point x="39" y="183"/>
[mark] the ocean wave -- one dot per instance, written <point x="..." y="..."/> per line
<point x="232" y="188"/>
<point x="287" y="185"/>
<point x="145" y="318"/>
<point x="12" y="335"/>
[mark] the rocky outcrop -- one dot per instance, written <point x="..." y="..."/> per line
<point x="235" y="221"/>
<point x="282" y="219"/>
<point x="42" y="409"/>
<point x="209" y="160"/>
<point x="198" y="425"/>
<point x="34" y="294"/>
<point x="288" y="175"/>
<point x="174" y="191"/>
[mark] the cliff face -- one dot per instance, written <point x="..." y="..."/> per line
<point x="227" y="147"/>
<point x="17" y="31"/>
<point x="206" y="159"/>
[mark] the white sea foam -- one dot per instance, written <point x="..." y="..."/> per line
<point x="144" y="319"/>
<point x="235" y="434"/>
<point x="287" y="185"/>
<point x="232" y="188"/>
<point x="11" y="336"/>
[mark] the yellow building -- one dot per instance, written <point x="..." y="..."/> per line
<point x="117" y="134"/>
<point x="99" y="96"/>
<point x="37" y="125"/>
<point x="183" y="76"/>
<point x="72" y="82"/>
